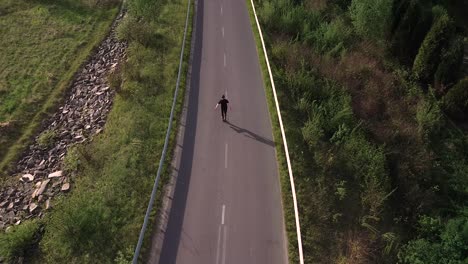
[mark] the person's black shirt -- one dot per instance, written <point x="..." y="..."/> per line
<point x="224" y="103"/>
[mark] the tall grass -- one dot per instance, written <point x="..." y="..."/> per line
<point x="100" y="221"/>
<point x="43" y="44"/>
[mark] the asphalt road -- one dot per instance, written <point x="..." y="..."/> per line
<point x="226" y="207"/>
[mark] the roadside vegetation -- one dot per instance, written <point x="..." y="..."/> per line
<point x="374" y="98"/>
<point x="43" y="44"/>
<point x="100" y="220"/>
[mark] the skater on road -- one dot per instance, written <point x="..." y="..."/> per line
<point x="224" y="106"/>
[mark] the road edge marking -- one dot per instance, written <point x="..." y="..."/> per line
<point x="285" y="143"/>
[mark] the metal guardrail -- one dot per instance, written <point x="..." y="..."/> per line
<point x="166" y="143"/>
<point x="283" y="134"/>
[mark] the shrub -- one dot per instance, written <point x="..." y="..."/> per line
<point x="72" y="159"/>
<point x="368" y="166"/>
<point x="425" y="63"/>
<point x="46" y="138"/>
<point x="133" y="29"/>
<point x="429" y="118"/>
<point x="451" y="62"/>
<point x="18" y="240"/>
<point x="411" y="22"/>
<point x="450" y="245"/>
<point x="331" y="36"/>
<point x="455" y="102"/>
<point x="371" y="17"/>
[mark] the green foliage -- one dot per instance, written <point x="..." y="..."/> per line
<point x="83" y="227"/>
<point x="71" y="160"/>
<point x="450" y="65"/>
<point x="455" y="102"/>
<point x="365" y="173"/>
<point x="46" y="138"/>
<point x="331" y="38"/>
<point x="371" y="18"/>
<point x="449" y="246"/>
<point x="428" y="58"/>
<point x="429" y="118"/>
<point x="367" y="163"/>
<point x="140" y="31"/>
<point x="18" y="240"/>
<point x="99" y="221"/>
<point x="411" y="21"/>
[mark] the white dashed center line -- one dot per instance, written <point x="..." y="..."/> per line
<point x="225" y="160"/>
<point x="221" y="246"/>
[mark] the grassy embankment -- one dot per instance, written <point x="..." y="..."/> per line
<point x="380" y="166"/>
<point x="100" y="220"/>
<point x="43" y="44"/>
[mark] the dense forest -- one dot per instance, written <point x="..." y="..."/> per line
<point x="375" y="96"/>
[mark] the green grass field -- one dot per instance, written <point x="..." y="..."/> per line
<point x="100" y="220"/>
<point x="43" y="44"/>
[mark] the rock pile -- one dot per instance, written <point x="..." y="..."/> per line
<point x="83" y="115"/>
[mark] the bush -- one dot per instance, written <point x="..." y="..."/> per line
<point x="132" y="29"/>
<point x="46" y="138"/>
<point x="19" y="240"/>
<point x="449" y="246"/>
<point x="411" y="22"/>
<point x="429" y="117"/>
<point x="72" y="159"/>
<point x="451" y="62"/>
<point x="331" y="37"/>
<point x="371" y="18"/>
<point x="455" y="102"/>
<point x="428" y="57"/>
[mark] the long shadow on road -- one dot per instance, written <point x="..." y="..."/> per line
<point x="176" y="217"/>
<point x="251" y="134"/>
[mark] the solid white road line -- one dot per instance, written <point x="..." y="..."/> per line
<point x="226" y="157"/>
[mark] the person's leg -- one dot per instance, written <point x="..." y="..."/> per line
<point x="223" y="114"/>
<point x="224" y="110"/>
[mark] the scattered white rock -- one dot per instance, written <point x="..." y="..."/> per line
<point x="55" y="174"/>
<point x="32" y="207"/>
<point x="27" y="177"/>
<point x="47" y="204"/>
<point x="43" y="187"/>
<point x="65" y="187"/>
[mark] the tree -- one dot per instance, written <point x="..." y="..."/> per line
<point x="428" y="58"/>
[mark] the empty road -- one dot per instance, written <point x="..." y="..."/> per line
<point x="226" y="207"/>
